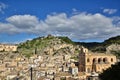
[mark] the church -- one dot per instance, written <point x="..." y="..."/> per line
<point x="94" y="62"/>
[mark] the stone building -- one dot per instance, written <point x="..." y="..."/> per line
<point x="94" y="62"/>
<point x="8" y="47"/>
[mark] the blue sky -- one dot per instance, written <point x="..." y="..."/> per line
<point x="80" y="20"/>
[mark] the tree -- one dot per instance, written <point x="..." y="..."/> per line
<point x="112" y="73"/>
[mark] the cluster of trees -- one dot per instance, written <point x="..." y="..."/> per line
<point x="112" y="73"/>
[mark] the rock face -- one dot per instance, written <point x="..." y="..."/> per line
<point x="113" y="47"/>
<point x="58" y="47"/>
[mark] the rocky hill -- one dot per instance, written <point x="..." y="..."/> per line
<point x="114" y="49"/>
<point x="97" y="46"/>
<point x="112" y="40"/>
<point x="49" y="45"/>
<point x="111" y="45"/>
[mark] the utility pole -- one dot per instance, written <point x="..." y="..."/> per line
<point x="17" y="76"/>
<point x="31" y="73"/>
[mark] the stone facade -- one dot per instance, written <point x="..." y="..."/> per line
<point x="95" y="62"/>
<point x="8" y="47"/>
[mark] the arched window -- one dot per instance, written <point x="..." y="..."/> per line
<point x="94" y="60"/>
<point x="105" y="60"/>
<point x="99" y="60"/>
<point x="88" y="60"/>
<point x="111" y="59"/>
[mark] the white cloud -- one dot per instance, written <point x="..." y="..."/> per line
<point x="79" y="26"/>
<point x="2" y="7"/>
<point x="23" y="21"/>
<point x="110" y="11"/>
<point x="7" y="28"/>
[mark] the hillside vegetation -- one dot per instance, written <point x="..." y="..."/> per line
<point x="49" y="45"/>
<point x="112" y="40"/>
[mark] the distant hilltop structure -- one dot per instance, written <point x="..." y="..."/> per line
<point x="8" y="47"/>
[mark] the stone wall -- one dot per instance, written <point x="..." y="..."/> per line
<point x="7" y="47"/>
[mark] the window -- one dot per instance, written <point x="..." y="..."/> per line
<point x="99" y="60"/>
<point x="105" y="60"/>
<point x="94" y="60"/>
<point x="111" y="59"/>
<point x="88" y="60"/>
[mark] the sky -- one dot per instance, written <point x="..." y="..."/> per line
<point x="80" y="20"/>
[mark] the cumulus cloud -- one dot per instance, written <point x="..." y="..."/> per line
<point x="110" y="11"/>
<point x="79" y="26"/>
<point x="23" y="21"/>
<point x="2" y="7"/>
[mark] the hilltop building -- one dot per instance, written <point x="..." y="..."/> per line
<point x="94" y="62"/>
<point x="8" y="47"/>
